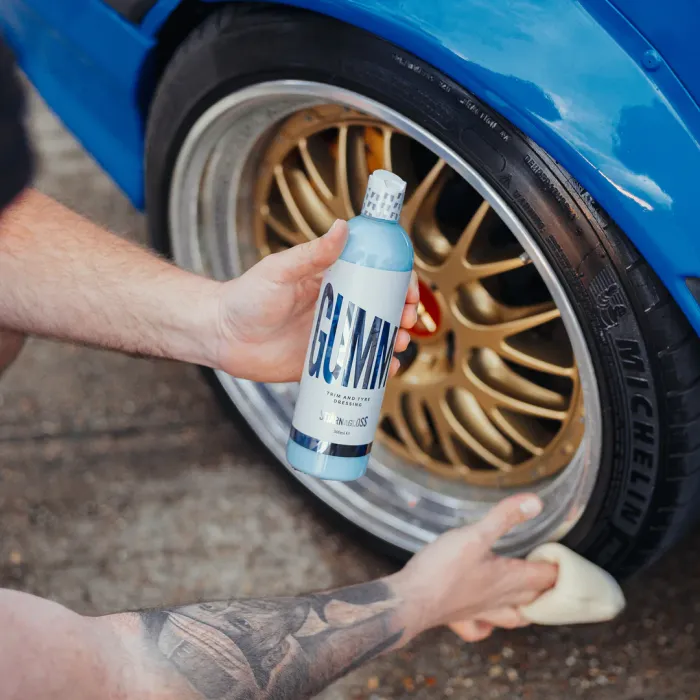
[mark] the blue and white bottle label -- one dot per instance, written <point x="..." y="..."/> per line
<point x="347" y="362"/>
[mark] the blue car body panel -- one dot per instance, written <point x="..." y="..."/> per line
<point x="89" y="65"/>
<point x="582" y="79"/>
<point x="672" y="27"/>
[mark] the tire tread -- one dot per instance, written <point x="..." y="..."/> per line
<point x="678" y="493"/>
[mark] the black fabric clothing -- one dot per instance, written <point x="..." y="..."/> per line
<point x="16" y="162"/>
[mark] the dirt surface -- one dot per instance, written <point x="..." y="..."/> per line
<point x="123" y="486"/>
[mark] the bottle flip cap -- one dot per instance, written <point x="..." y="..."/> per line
<point x="384" y="197"/>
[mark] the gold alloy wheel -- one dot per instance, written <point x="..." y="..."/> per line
<point x="489" y="391"/>
<point x="226" y="209"/>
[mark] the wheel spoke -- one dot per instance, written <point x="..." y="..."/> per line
<point x="311" y="205"/>
<point x="341" y="173"/>
<point x="284" y="232"/>
<point x="465" y="241"/>
<point x="529" y="318"/>
<point x="427" y="272"/>
<point x="516" y="434"/>
<point x="491" y="369"/>
<point x="386" y="140"/>
<point x="412" y="207"/>
<point x="315" y="176"/>
<point x="444" y="434"/>
<point x="392" y="409"/>
<point x="426" y="229"/>
<point x="472" y="416"/>
<point x="475" y="308"/>
<point x="291" y="205"/>
<point x="498" y="398"/>
<point x="444" y="416"/>
<point x="417" y="420"/>
<point x="495" y="385"/>
<point x="498" y="267"/>
<point x="531" y="362"/>
<point x="529" y="409"/>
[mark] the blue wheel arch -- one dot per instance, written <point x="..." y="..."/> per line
<point x="575" y="76"/>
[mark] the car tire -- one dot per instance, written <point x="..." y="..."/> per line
<point x="646" y="358"/>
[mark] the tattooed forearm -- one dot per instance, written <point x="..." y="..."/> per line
<point x="277" y="647"/>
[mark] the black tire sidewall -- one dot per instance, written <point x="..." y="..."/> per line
<point x="234" y="51"/>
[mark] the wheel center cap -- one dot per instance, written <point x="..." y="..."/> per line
<point x="428" y="312"/>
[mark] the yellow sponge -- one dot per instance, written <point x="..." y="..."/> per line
<point x="583" y="592"/>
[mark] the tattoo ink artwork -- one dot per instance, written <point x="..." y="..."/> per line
<point x="277" y="647"/>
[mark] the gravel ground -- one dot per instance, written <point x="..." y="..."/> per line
<point x="122" y="486"/>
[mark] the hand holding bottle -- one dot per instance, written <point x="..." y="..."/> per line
<point x="266" y="314"/>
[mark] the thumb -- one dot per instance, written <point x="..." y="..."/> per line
<point x="504" y="516"/>
<point x="309" y="259"/>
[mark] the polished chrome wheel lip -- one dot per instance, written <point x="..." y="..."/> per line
<point x="208" y="185"/>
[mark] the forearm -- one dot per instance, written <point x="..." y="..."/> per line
<point x="269" y="648"/>
<point x="63" y="277"/>
<point x="249" y="648"/>
<point x="261" y="648"/>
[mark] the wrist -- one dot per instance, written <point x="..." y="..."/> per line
<point x="412" y="605"/>
<point x="193" y="330"/>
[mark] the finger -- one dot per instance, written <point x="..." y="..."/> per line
<point x="523" y="597"/>
<point x="409" y="316"/>
<point x="402" y="340"/>
<point x="413" y="294"/>
<point x="471" y="630"/>
<point x="538" y="576"/>
<point x="308" y="259"/>
<point x="394" y="367"/>
<point x="523" y="581"/>
<point x="508" y="618"/>
<point x="519" y="582"/>
<point x="504" y="516"/>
